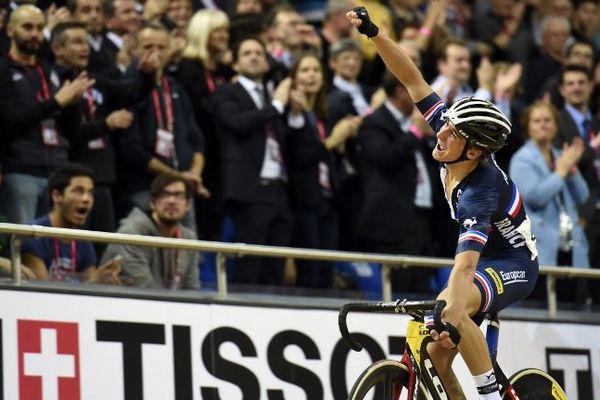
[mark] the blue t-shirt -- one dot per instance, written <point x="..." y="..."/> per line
<point x="486" y="204"/>
<point x="60" y="265"/>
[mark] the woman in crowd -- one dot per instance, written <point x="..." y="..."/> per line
<point x="205" y="66"/>
<point x="551" y="188"/>
<point x="311" y="178"/>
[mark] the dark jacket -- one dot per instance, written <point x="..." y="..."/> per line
<point x="242" y="131"/>
<point x="107" y="95"/>
<point x="137" y="144"/>
<point x="567" y="130"/>
<point x="24" y="150"/>
<point x="306" y="151"/>
<point x="388" y="172"/>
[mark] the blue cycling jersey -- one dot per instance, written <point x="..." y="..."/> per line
<point x="492" y="220"/>
<point x="486" y="204"/>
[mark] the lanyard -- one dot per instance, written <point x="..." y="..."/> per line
<point x="44" y="94"/>
<point x="321" y="130"/>
<point x="168" y="124"/>
<point x="58" y="259"/>
<point x="90" y="104"/>
<point x="210" y="81"/>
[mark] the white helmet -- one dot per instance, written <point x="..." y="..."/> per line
<point x="480" y="122"/>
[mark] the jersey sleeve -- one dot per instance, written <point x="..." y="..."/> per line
<point x="475" y="209"/>
<point x="434" y="111"/>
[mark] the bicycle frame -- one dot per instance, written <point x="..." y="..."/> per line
<point x="424" y="381"/>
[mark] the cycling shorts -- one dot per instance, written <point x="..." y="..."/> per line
<point x="503" y="282"/>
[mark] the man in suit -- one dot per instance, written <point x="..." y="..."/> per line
<point x="91" y="13"/>
<point x="390" y="221"/>
<point x="254" y="161"/>
<point x="348" y="97"/>
<point x="576" y="87"/>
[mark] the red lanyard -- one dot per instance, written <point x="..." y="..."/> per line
<point x="210" y="81"/>
<point x="44" y="94"/>
<point x="168" y="125"/>
<point x="57" y="257"/>
<point x="90" y="103"/>
<point x="321" y="130"/>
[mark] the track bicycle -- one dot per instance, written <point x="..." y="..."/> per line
<point x="416" y="373"/>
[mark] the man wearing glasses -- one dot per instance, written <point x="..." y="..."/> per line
<point x="152" y="267"/>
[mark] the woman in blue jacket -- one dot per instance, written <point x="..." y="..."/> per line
<point x="551" y="185"/>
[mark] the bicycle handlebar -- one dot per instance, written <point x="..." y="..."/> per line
<point x="395" y="307"/>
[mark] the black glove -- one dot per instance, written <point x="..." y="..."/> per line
<point x="440" y="326"/>
<point x="367" y="27"/>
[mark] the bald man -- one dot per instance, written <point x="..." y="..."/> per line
<point x="38" y="106"/>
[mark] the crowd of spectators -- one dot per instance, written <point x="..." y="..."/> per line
<point x="275" y="117"/>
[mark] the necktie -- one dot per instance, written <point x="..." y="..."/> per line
<point x="261" y="96"/>
<point x="587" y="126"/>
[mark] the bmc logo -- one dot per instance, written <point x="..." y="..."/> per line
<point x="48" y="360"/>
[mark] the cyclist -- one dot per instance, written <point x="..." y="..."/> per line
<point x="496" y="259"/>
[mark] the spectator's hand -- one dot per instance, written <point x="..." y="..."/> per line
<point x="378" y="98"/>
<point x="27" y="273"/>
<point x="56" y="15"/>
<point x="108" y="273"/>
<point x="484" y="49"/>
<point x="154" y="9"/>
<point x="70" y="92"/>
<point x="282" y="91"/>
<point x="485" y="74"/>
<point x="359" y="18"/>
<point x="298" y="102"/>
<point x="346" y="128"/>
<point x="570" y="156"/>
<point x="507" y="80"/>
<point x="309" y="36"/>
<point x="125" y="53"/>
<point x="149" y="62"/>
<point x="119" y="119"/>
<point x="435" y="14"/>
<point x="197" y="184"/>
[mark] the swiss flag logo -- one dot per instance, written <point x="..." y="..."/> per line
<point x="48" y="360"/>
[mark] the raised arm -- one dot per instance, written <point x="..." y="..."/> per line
<point x="397" y="61"/>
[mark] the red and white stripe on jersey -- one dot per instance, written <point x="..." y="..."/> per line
<point x="515" y="204"/>
<point x="473" y="235"/>
<point x="432" y="110"/>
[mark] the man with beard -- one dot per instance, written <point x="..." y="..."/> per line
<point x="36" y="108"/>
<point x="71" y="190"/>
<point x="152" y="267"/>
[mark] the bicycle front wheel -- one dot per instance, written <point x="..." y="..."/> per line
<point x="386" y="376"/>
<point x="535" y="384"/>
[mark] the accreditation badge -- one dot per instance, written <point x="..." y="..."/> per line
<point x="165" y="143"/>
<point x="49" y="133"/>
